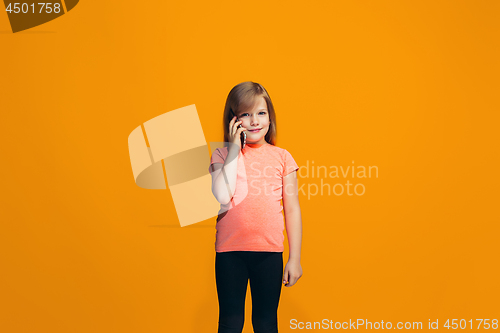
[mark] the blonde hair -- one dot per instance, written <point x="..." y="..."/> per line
<point x="242" y="97"/>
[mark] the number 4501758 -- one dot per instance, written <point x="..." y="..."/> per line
<point x="462" y="324"/>
<point x="41" y="7"/>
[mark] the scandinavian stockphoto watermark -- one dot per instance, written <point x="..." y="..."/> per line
<point x="329" y="180"/>
<point x="316" y="180"/>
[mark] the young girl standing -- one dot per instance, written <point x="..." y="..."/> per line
<point x="250" y="180"/>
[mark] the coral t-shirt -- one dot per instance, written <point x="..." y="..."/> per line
<point x="253" y="219"/>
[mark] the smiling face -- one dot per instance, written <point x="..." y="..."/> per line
<point x="256" y="121"/>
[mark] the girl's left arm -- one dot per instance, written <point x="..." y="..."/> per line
<point x="293" y="221"/>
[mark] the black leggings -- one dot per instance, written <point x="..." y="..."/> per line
<point x="232" y="271"/>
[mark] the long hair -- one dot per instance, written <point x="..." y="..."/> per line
<point x="243" y="97"/>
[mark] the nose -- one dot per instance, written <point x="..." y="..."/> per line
<point x="254" y="121"/>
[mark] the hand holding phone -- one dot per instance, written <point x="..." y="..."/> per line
<point x="243" y="136"/>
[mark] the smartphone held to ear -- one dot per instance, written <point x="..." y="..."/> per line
<point x="243" y="134"/>
<point x="243" y="137"/>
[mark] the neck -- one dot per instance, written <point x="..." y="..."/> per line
<point x="256" y="144"/>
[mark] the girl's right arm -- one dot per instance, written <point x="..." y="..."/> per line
<point x="224" y="175"/>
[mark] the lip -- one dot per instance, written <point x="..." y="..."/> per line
<point x="255" y="130"/>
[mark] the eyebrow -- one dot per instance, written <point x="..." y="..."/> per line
<point x="257" y="110"/>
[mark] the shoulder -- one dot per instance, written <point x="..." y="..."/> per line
<point x="276" y="149"/>
<point x="219" y="155"/>
<point x="279" y="151"/>
<point x="222" y="151"/>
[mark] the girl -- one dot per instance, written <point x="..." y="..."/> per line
<point x="250" y="179"/>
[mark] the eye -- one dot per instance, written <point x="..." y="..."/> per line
<point x="263" y="112"/>
<point x="243" y="114"/>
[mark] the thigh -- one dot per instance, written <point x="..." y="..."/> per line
<point x="231" y="276"/>
<point x="266" y="274"/>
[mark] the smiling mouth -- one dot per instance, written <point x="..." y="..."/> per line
<point x="255" y="130"/>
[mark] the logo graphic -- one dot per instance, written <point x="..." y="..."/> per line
<point x="171" y="149"/>
<point x="28" y="14"/>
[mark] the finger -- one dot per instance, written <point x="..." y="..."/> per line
<point x="233" y="120"/>
<point x="291" y="282"/>
<point x="231" y="123"/>
<point x="234" y="123"/>
<point x="285" y="277"/>
<point x="235" y="127"/>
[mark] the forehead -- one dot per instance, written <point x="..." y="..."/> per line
<point x="258" y="105"/>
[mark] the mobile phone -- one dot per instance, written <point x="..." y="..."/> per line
<point x="243" y="136"/>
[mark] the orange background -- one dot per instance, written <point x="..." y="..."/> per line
<point x="410" y="87"/>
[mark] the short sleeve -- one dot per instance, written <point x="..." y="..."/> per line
<point x="289" y="164"/>
<point x="217" y="157"/>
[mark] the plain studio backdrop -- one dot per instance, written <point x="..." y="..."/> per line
<point x="409" y="87"/>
